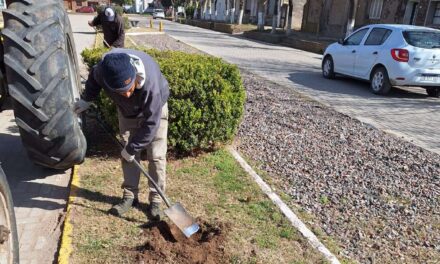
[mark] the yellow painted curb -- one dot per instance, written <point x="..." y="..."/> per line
<point x="98" y="40"/>
<point x="66" y="239"/>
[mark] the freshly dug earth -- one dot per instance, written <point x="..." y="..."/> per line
<point x="166" y="244"/>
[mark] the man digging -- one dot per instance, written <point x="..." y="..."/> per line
<point x="132" y="79"/>
<point x="112" y="26"/>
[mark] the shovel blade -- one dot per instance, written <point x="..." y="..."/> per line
<point x="180" y="217"/>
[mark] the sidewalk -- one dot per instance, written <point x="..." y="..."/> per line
<point x="296" y="39"/>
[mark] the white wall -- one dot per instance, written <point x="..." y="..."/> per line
<point x="140" y="5"/>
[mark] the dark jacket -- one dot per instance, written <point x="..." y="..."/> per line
<point x="145" y="102"/>
<point x="114" y="32"/>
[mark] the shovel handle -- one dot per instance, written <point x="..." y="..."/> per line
<point x="105" y="42"/>
<point x="164" y="198"/>
<point x="108" y="131"/>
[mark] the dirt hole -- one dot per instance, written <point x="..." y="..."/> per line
<point x="166" y="244"/>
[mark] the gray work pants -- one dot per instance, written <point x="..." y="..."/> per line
<point x="156" y="156"/>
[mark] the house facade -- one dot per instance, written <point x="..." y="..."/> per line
<point x="75" y="4"/>
<point x="228" y="11"/>
<point x="330" y="18"/>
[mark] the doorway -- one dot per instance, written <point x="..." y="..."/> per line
<point x="411" y="12"/>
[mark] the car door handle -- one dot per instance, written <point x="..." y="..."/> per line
<point x="375" y="53"/>
<point x="353" y="51"/>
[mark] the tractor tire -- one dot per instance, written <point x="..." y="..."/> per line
<point x="8" y="226"/>
<point x="43" y="81"/>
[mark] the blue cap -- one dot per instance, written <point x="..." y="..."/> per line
<point x="118" y="72"/>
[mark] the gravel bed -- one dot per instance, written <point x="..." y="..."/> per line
<point x="376" y="195"/>
<point x="163" y="42"/>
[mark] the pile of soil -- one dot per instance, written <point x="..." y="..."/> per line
<point x="166" y="244"/>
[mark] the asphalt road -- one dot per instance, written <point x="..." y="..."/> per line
<point x="406" y="112"/>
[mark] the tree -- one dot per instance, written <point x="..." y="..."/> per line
<point x="351" y="16"/>
<point x="240" y="15"/>
<point x="289" y="19"/>
<point x="274" y="17"/>
<point x="123" y="2"/>
<point x="232" y="21"/>
<point x="261" y="4"/>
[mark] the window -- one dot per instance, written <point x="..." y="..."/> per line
<point x="436" y="18"/>
<point x="79" y="3"/>
<point x="378" y="36"/>
<point x="422" y="39"/>
<point x="376" y="9"/>
<point x="356" y="38"/>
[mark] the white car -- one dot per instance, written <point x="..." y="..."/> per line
<point x="387" y="56"/>
<point x="158" y="13"/>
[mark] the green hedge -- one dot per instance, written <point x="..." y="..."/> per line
<point x="206" y="98"/>
<point x="189" y="11"/>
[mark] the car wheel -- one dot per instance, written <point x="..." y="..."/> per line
<point x="328" y="68"/>
<point x="433" y="91"/>
<point x="9" y="252"/>
<point x="380" y="82"/>
<point x="43" y="81"/>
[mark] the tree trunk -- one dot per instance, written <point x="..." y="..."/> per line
<point x="279" y="15"/>
<point x="289" y="19"/>
<point x="260" y="15"/>
<point x="227" y="10"/>
<point x="240" y="16"/>
<point x="274" y="17"/>
<point x="215" y="9"/>
<point x="205" y="9"/>
<point x="233" y="12"/>
<point x="351" y="17"/>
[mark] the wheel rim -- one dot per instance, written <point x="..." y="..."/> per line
<point x="377" y="82"/>
<point x="6" y="239"/>
<point x="327" y="67"/>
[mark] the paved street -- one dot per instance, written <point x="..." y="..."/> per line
<point x="405" y="112"/>
<point x="39" y="194"/>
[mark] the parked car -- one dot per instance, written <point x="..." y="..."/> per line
<point x="387" y="56"/>
<point x="85" y="9"/>
<point x="158" y="13"/>
<point x="149" y="10"/>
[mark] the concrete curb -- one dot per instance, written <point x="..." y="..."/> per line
<point x="66" y="237"/>
<point x="296" y="222"/>
<point x="144" y="33"/>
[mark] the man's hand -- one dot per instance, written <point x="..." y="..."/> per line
<point x="125" y="155"/>
<point x="81" y="106"/>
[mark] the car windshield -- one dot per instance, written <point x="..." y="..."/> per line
<point x="422" y="39"/>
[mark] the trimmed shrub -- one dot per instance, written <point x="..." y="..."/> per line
<point x="118" y="10"/>
<point x="206" y="98"/>
<point x="189" y="11"/>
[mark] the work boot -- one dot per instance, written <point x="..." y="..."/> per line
<point x="123" y="207"/>
<point x="153" y="212"/>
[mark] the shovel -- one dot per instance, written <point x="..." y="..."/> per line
<point x="105" y="42"/>
<point x="177" y="214"/>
